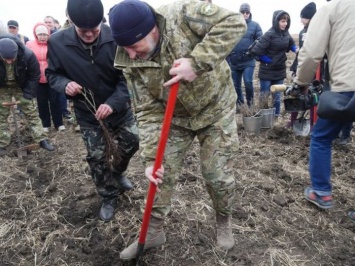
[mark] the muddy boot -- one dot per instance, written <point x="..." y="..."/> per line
<point x="108" y="208"/>
<point x="155" y="238"/>
<point x="225" y="238"/>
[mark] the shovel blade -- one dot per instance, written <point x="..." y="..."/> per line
<point x="301" y="127"/>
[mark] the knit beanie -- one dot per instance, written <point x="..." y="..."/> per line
<point x="309" y="10"/>
<point x="130" y="21"/>
<point x="244" y="7"/>
<point x="41" y="29"/>
<point x="85" y="14"/>
<point x="8" y="48"/>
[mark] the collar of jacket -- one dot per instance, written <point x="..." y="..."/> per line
<point x="122" y="59"/>
<point x="71" y="38"/>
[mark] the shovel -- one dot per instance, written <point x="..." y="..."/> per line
<point x="301" y="126"/>
<point x="157" y="164"/>
<point x="21" y="150"/>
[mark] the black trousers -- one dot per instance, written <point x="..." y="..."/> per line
<point x="49" y="106"/>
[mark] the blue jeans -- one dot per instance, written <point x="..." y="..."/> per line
<point x="247" y="75"/>
<point x="320" y="153"/>
<point x="63" y="103"/>
<point x="265" y="92"/>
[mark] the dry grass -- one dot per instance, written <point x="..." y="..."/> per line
<point x="248" y="111"/>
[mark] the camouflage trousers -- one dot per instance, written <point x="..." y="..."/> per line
<point x="28" y="107"/>
<point x="218" y="146"/>
<point x="105" y="175"/>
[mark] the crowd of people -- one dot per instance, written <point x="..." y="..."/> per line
<point x="118" y="78"/>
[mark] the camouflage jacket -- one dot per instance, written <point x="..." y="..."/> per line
<point x="203" y="32"/>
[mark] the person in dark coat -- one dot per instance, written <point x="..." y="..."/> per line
<point x="306" y="15"/>
<point x="241" y="63"/>
<point x="80" y="62"/>
<point x="19" y="76"/>
<point x="271" y="50"/>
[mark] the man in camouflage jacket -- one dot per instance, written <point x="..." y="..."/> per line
<point x="19" y="75"/>
<point x="190" y="41"/>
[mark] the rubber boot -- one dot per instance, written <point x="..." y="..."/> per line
<point x="108" y="208"/>
<point x="155" y="238"/>
<point x="225" y="238"/>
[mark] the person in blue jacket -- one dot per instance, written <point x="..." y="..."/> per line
<point x="241" y="63"/>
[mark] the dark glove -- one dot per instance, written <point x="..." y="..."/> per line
<point x="27" y="95"/>
<point x="265" y="59"/>
<point x="30" y="91"/>
<point x="295" y="90"/>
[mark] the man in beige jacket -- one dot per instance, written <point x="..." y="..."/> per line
<point x="331" y="32"/>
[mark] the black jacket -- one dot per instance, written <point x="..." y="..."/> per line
<point x="275" y="44"/>
<point x="293" y="67"/>
<point x="27" y="72"/>
<point x="69" y="61"/>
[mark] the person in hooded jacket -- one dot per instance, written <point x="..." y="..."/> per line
<point x="271" y="50"/>
<point x="19" y="75"/>
<point x="80" y="62"/>
<point x="241" y="63"/>
<point x="47" y="98"/>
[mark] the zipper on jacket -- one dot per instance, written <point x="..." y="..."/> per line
<point x="135" y="92"/>
<point x="91" y="55"/>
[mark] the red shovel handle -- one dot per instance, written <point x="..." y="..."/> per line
<point x="157" y="164"/>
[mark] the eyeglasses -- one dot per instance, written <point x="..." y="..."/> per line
<point x="245" y="12"/>
<point x="93" y="31"/>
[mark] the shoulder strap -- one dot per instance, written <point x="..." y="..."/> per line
<point x="22" y="38"/>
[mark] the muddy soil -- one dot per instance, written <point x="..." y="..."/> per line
<point x="49" y="208"/>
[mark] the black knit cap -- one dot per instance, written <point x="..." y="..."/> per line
<point x="85" y="14"/>
<point x="309" y="10"/>
<point x="130" y="21"/>
<point x="8" y="48"/>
